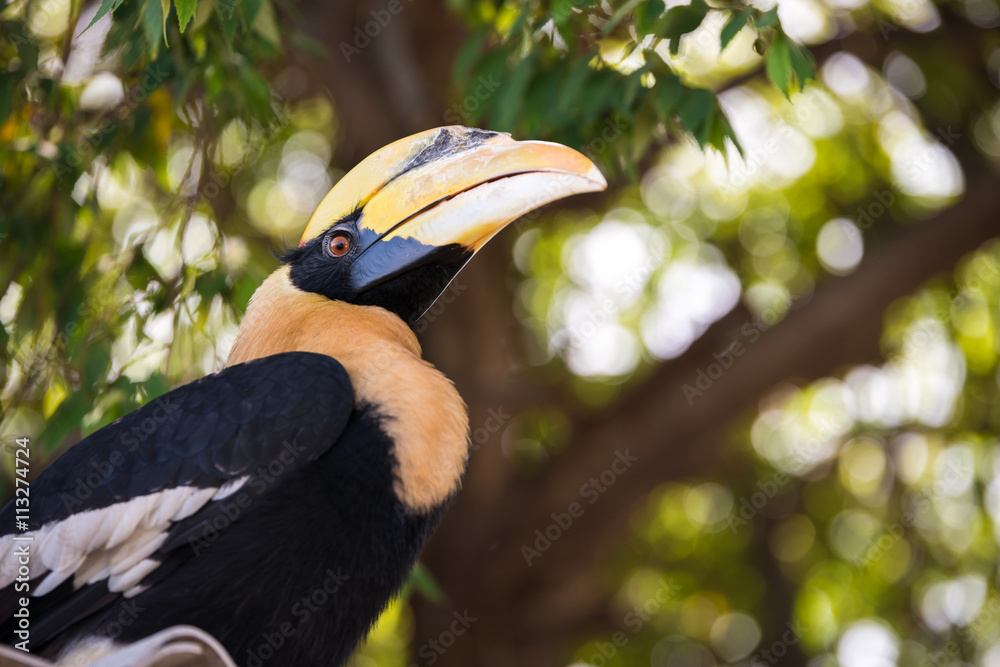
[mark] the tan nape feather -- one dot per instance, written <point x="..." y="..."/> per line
<point x="427" y="419"/>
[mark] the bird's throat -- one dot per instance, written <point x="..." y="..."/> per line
<point x="382" y="357"/>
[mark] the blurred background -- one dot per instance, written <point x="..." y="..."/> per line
<point x="740" y="409"/>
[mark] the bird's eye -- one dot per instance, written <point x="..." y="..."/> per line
<point x="340" y="244"/>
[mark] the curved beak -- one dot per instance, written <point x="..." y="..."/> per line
<point x="440" y="195"/>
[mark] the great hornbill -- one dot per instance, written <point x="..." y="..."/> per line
<point x="279" y="503"/>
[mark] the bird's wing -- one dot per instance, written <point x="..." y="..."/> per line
<point x="179" y="645"/>
<point x="143" y="484"/>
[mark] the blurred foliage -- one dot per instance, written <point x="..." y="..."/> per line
<point x="113" y="168"/>
<point x="149" y="163"/>
<point x="875" y="503"/>
<point x="588" y="72"/>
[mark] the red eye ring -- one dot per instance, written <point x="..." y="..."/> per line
<point x="339" y="245"/>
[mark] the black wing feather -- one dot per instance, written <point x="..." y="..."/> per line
<point x="223" y="426"/>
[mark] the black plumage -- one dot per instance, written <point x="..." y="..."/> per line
<point x="404" y="276"/>
<point x="218" y="427"/>
<point x="313" y="463"/>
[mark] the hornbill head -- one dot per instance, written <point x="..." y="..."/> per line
<point x="396" y="229"/>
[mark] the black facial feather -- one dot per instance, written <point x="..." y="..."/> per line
<point x="313" y="271"/>
<point x="400" y="274"/>
<point x="411" y="293"/>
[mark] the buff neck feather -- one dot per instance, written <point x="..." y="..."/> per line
<point x="382" y="357"/>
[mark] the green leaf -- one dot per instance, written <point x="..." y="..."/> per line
<point x="778" y="64"/>
<point x="489" y="75"/>
<point x="646" y="15"/>
<point x="705" y="132"/>
<point x="461" y="68"/>
<point x="154" y="387"/>
<point x="768" y="19"/>
<point x="562" y="10"/>
<point x="96" y="363"/>
<point x="512" y="92"/>
<point x="695" y="109"/>
<point x="256" y="89"/>
<point x="154" y="25"/>
<point x="598" y="95"/>
<point x="424" y="581"/>
<point x="27" y="51"/>
<point x="623" y="100"/>
<point x="229" y="20"/>
<point x="165" y="12"/>
<point x="733" y="27"/>
<point x="725" y="131"/>
<point x="680" y="21"/>
<point x="803" y="63"/>
<point x="8" y="84"/>
<point x="542" y="103"/>
<point x="522" y="17"/>
<point x="572" y="85"/>
<point x="645" y="125"/>
<point x="789" y="65"/>
<point x="567" y="31"/>
<point x="619" y="14"/>
<point x="264" y="21"/>
<point x="66" y="419"/>
<point x="308" y="46"/>
<point x="250" y="8"/>
<point x="185" y="12"/>
<point x="106" y="6"/>
<point x="667" y="93"/>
